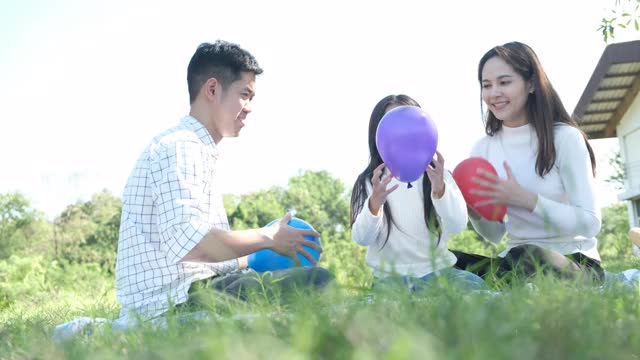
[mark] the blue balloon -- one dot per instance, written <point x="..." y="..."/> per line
<point x="269" y="260"/>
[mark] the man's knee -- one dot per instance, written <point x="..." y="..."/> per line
<point x="316" y="277"/>
<point x="319" y="277"/>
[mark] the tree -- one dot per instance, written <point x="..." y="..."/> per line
<point x="19" y="223"/>
<point x="612" y="239"/>
<point x="625" y="14"/>
<point x="314" y="196"/>
<point x="255" y="209"/>
<point x="319" y="199"/>
<point x="619" y="175"/>
<point x="88" y="232"/>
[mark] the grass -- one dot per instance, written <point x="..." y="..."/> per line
<point x="549" y="320"/>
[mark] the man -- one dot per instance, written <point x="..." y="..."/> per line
<point x="174" y="229"/>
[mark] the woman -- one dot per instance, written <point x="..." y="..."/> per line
<point x="546" y="172"/>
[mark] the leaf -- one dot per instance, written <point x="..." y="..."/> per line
<point x="637" y="26"/>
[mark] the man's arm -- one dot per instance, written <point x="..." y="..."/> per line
<point x="180" y="172"/>
<point x="220" y="245"/>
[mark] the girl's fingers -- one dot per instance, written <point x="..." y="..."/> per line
<point x="439" y="158"/>
<point x="387" y="180"/>
<point x="378" y="171"/>
<point x="392" y="189"/>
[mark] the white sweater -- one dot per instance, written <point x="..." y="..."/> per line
<point x="411" y="249"/>
<point x="566" y="218"/>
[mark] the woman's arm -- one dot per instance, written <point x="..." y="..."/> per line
<point x="581" y="215"/>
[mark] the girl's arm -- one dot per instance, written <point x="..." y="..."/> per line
<point x="367" y="226"/>
<point x="451" y="206"/>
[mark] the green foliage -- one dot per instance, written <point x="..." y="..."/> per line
<point x="624" y="15"/>
<point x="34" y="279"/>
<point x="613" y="240"/>
<point x="321" y="200"/>
<point x="619" y="175"/>
<point x="345" y="259"/>
<point x="550" y="320"/>
<point x="21" y="226"/>
<point x="38" y="291"/>
<point x="88" y="232"/>
<point x="255" y="209"/>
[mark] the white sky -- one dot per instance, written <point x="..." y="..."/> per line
<point x="85" y="85"/>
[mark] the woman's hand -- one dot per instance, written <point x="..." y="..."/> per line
<point x="499" y="191"/>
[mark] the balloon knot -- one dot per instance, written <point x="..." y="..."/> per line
<point x="409" y="186"/>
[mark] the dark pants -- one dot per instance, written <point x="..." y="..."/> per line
<point x="241" y="284"/>
<point x="526" y="261"/>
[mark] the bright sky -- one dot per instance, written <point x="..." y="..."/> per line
<point x="85" y="85"/>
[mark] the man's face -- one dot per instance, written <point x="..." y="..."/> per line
<point x="232" y="105"/>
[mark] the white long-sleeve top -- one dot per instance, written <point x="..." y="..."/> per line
<point x="566" y="217"/>
<point x="411" y="250"/>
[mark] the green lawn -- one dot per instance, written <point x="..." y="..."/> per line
<point x="549" y="320"/>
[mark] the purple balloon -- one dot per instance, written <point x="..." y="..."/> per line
<point x="407" y="139"/>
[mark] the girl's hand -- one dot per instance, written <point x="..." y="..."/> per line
<point x="436" y="176"/>
<point x="380" y="192"/>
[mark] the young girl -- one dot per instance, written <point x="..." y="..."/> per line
<point x="546" y="173"/>
<point x="406" y="229"/>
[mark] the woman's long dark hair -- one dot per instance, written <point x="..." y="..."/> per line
<point x="544" y="107"/>
<point x="359" y="192"/>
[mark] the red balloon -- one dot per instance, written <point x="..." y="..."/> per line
<point x="463" y="173"/>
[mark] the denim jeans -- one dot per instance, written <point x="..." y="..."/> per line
<point x="460" y="279"/>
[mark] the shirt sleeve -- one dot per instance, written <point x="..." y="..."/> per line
<point x="581" y="215"/>
<point x="493" y="231"/>
<point x="180" y="173"/>
<point x="367" y="226"/>
<point x="451" y="207"/>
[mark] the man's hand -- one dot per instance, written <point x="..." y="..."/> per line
<point x="243" y="262"/>
<point x="289" y="241"/>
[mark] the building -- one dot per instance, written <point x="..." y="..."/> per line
<point x="610" y="107"/>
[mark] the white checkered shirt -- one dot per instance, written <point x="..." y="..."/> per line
<point x="171" y="201"/>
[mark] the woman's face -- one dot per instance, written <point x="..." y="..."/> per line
<point x="505" y="92"/>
